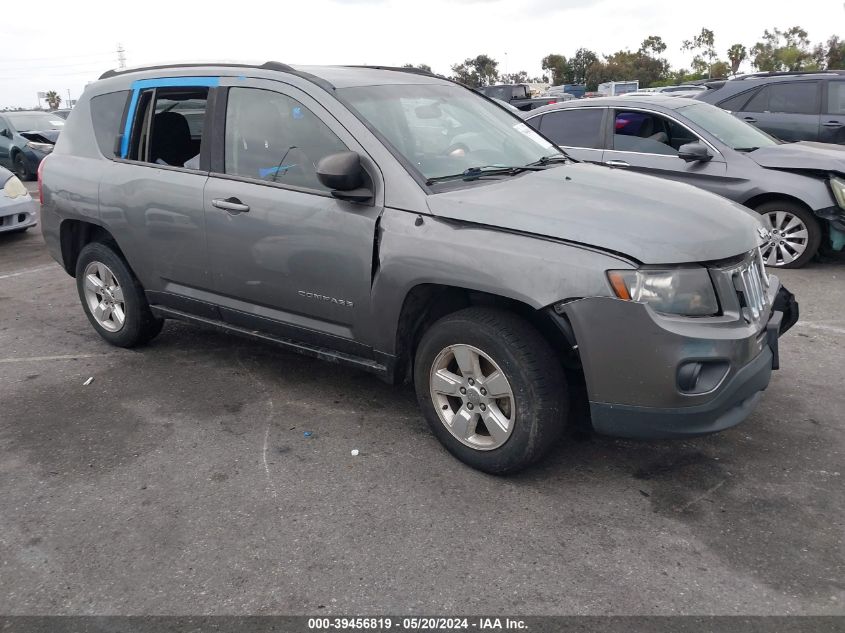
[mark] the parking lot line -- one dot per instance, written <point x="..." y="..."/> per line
<point x="32" y="359"/>
<point x="28" y="271"/>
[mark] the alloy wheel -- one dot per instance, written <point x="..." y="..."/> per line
<point x="788" y="238"/>
<point x="104" y="297"/>
<point x="472" y="397"/>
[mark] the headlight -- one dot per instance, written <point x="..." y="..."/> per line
<point x="685" y="291"/>
<point x="40" y="147"/>
<point x="14" y="188"/>
<point x="838" y="187"/>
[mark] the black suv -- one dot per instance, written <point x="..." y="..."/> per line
<point x="791" y="106"/>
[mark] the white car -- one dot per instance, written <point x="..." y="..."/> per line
<point x="18" y="211"/>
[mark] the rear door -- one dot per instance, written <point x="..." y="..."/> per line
<point x="646" y="141"/>
<point x="286" y="256"/>
<point x="832" y="129"/>
<point x="787" y="110"/>
<point x="580" y="131"/>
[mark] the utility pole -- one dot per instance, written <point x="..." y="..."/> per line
<point x="121" y="57"/>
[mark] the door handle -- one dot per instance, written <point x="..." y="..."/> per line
<point x="833" y="124"/>
<point x="232" y="205"/>
<point x="750" y="119"/>
<point x="616" y="163"/>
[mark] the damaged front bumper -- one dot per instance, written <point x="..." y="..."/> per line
<point x="17" y="213"/>
<point x="655" y="376"/>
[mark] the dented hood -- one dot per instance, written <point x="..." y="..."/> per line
<point x="802" y="156"/>
<point x="45" y="136"/>
<point x="652" y="220"/>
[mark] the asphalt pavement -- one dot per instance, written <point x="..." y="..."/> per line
<point x="206" y="474"/>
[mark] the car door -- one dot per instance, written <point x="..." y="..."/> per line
<point x="787" y="110"/>
<point x="647" y="141"/>
<point x="579" y="131"/>
<point x="5" y="143"/>
<point x="286" y="255"/>
<point x="832" y="128"/>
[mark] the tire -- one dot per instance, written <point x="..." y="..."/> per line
<point x="530" y="421"/>
<point x="21" y="170"/>
<point x="108" y="287"/>
<point x="795" y="234"/>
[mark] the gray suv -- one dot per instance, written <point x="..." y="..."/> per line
<point x="402" y="224"/>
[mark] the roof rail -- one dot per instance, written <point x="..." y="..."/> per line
<point x="401" y="69"/>
<point x="270" y="65"/>
<point x="789" y="73"/>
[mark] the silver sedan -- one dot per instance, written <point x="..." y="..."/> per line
<point x="18" y="211"/>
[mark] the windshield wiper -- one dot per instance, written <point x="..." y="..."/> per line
<point x="474" y="173"/>
<point x="561" y="157"/>
<point x="745" y="149"/>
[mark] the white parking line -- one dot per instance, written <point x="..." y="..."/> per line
<point x="32" y="359"/>
<point x="822" y="326"/>
<point x="26" y="272"/>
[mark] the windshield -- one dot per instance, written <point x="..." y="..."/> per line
<point x="445" y="129"/>
<point x="727" y="128"/>
<point x="40" y="121"/>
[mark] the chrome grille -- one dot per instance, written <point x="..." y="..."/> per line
<point x="751" y="283"/>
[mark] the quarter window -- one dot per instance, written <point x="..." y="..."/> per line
<point x="106" y="116"/>
<point x="273" y="137"/>
<point x="574" y="128"/>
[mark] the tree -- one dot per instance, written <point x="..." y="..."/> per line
<point x="580" y="63"/>
<point x="704" y="44"/>
<point x="476" y="72"/>
<point x="830" y="55"/>
<point x="653" y="45"/>
<point x="558" y="67"/>
<point x="424" y="67"/>
<point x="782" y="50"/>
<point x="626" y="65"/>
<point x="520" y="77"/>
<point x="53" y="100"/>
<point x="737" y="54"/>
<point x="719" y="69"/>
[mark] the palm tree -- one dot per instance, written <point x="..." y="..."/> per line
<point x="737" y="54"/>
<point x="53" y="100"/>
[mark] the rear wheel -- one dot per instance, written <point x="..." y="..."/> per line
<point x="21" y="170"/>
<point x="491" y="389"/>
<point x="113" y="299"/>
<point x="794" y="234"/>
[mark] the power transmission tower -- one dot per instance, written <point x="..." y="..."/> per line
<point x="121" y="57"/>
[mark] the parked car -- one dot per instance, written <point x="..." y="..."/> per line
<point x="789" y="106"/>
<point x="488" y="269"/>
<point x="17" y="208"/>
<point x="797" y="188"/>
<point x="517" y="95"/>
<point x="507" y="106"/>
<point x="26" y="138"/>
<point x="62" y="112"/>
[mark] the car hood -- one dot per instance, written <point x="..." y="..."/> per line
<point x="652" y="220"/>
<point x="45" y="136"/>
<point x="802" y="156"/>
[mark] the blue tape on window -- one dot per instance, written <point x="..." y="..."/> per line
<point x="160" y="82"/>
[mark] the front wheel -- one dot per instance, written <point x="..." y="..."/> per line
<point x="113" y="299"/>
<point x="491" y="389"/>
<point x="21" y="170"/>
<point x="794" y="234"/>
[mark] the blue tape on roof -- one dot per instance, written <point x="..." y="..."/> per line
<point x="162" y="82"/>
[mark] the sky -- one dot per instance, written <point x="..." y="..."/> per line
<point x="61" y="45"/>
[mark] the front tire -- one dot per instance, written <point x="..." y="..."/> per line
<point x="113" y="299"/>
<point x="491" y="389"/>
<point x="794" y="234"/>
<point x="21" y="170"/>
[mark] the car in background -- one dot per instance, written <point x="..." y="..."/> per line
<point x="798" y="188"/>
<point x="26" y="138"/>
<point x="507" y="106"/>
<point x="18" y="210"/>
<point x="791" y="106"/>
<point x="668" y="91"/>
<point x="62" y="112"/>
<point x="516" y="95"/>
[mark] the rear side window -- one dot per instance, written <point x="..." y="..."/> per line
<point x="737" y="102"/>
<point x="273" y="137"/>
<point x="578" y="127"/>
<point x="800" y="97"/>
<point x="106" y="116"/>
<point x="168" y="127"/>
<point x="836" y="97"/>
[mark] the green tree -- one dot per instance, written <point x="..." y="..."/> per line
<point x="626" y="65"/>
<point x="476" y="72"/>
<point x="782" y="50"/>
<point x="424" y="67"/>
<point x="559" y="69"/>
<point x="737" y="54"/>
<point x="830" y="54"/>
<point x="653" y="45"/>
<point x="53" y="100"/>
<point x="580" y="64"/>
<point x="704" y="44"/>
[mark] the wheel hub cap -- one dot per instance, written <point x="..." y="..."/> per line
<point x="104" y="297"/>
<point x="472" y="397"/>
<point x="787" y="238"/>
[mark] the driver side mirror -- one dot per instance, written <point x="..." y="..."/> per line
<point x="343" y="174"/>
<point x="6" y="132"/>
<point x="694" y="153"/>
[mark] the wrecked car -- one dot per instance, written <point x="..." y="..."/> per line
<point x="310" y="207"/>
<point x="17" y="208"/>
<point x="797" y="188"/>
<point x="26" y="138"/>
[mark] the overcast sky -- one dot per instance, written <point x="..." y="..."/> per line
<point x="63" y="45"/>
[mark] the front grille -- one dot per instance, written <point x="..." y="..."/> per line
<point x="751" y="283"/>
